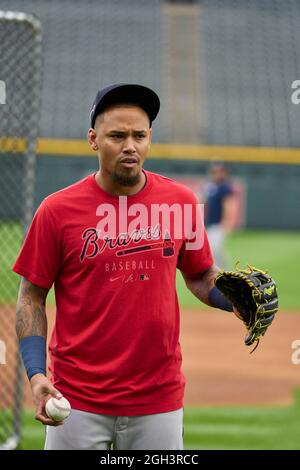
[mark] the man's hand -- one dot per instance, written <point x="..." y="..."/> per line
<point x="42" y="389"/>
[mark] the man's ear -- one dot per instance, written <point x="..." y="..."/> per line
<point x="91" y="137"/>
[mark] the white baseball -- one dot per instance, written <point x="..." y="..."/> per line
<point x="58" y="410"/>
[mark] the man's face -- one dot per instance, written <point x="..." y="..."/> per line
<point x="122" y="137"/>
<point x="218" y="174"/>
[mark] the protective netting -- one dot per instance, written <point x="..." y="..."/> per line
<point x="88" y="45"/>
<point x="250" y="57"/>
<point x="229" y="66"/>
<point x="223" y="68"/>
<point x="20" y="68"/>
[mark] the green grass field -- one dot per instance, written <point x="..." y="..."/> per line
<point x="233" y="428"/>
<point x="10" y="241"/>
<point x="225" y="428"/>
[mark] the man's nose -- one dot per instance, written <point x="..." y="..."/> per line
<point x="129" y="145"/>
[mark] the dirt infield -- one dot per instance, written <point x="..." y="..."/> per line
<point x="218" y="367"/>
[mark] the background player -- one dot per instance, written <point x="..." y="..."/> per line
<point x="220" y="210"/>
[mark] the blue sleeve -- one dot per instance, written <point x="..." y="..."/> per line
<point x="226" y="190"/>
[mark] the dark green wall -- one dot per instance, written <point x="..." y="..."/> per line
<point x="272" y="191"/>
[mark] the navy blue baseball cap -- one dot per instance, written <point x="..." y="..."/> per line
<point x="119" y="93"/>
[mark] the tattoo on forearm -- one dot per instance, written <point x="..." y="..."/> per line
<point x="31" y="315"/>
<point x="22" y="325"/>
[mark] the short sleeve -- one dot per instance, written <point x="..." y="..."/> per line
<point x="40" y="255"/>
<point x="226" y="190"/>
<point x="195" y="261"/>
<point x="195" y="257"/>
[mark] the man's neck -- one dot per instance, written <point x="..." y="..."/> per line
<point x="115" y="189"/>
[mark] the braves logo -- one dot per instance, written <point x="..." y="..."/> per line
<point x="94" y="245"/>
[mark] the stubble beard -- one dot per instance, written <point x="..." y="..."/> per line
<point x="123" y="179"/>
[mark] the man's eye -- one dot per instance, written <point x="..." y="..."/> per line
<point x="140" y="136"/>
<point x="116" y="136"/>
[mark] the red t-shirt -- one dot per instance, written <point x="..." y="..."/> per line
<point x="115" y="344"/>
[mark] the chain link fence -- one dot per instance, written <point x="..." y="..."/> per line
<point x="20" y="69"/>
<point x="88" y="45"/>
<point x="223" y="68"/>
<point x="249" y="59"/>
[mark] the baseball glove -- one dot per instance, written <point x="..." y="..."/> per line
<point x="253" y="292"/>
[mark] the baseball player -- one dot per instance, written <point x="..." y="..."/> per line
<point x="114" y="350"/>
<point x="220" y="205"/>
